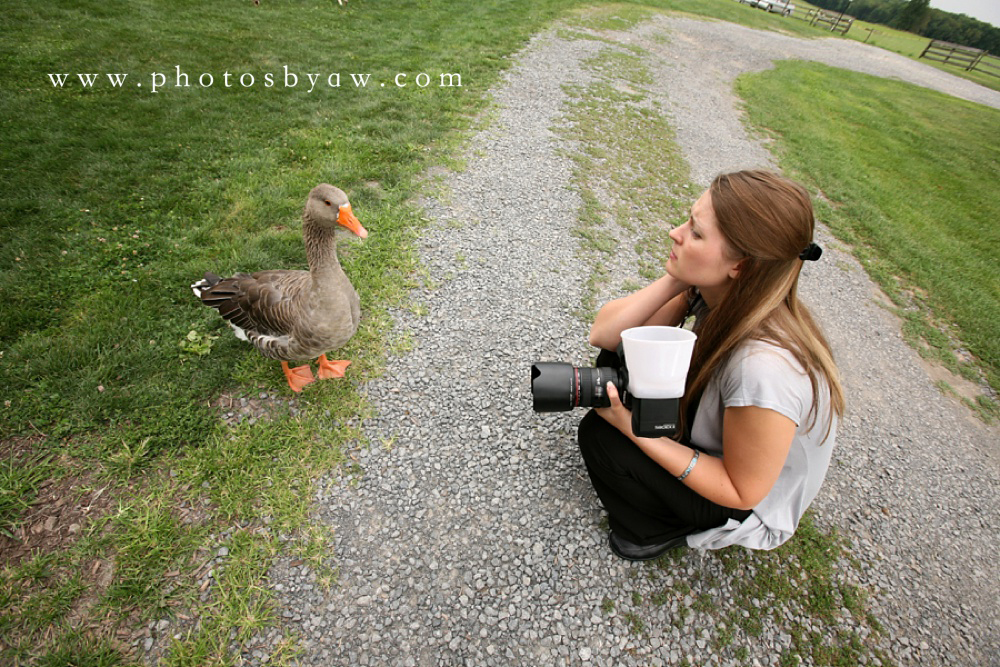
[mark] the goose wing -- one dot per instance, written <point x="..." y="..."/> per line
<point x="265" y="303"/>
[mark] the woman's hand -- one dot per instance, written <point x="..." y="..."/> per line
<point x="756" y="442"/>
<point x="617" y="414"/>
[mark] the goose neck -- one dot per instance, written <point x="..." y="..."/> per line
<point x="321" y="248"/>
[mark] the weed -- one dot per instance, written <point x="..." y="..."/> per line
<point x="129" y="458"/>
<point x="196" y="344"/>
<point x="703" y="603"/>
<point x="724" y="635"/>
<point x="20" y="477"/>
<point x="79" y="650"/>
<point x="612" y="123"/>
<point x="635" y="623"/>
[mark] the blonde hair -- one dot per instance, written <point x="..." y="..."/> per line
<point x="767" y="221"/>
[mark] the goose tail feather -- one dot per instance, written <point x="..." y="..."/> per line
<point x="209" y="281"/>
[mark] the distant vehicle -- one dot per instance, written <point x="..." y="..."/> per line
<point x="782" y="7"/>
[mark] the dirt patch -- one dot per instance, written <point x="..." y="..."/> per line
<point x="234" y="408"/>
<point x="964" y="388"/>
<point x="58" y="516"/>
<point x="60" y="512"/>
<point x="938" y="372"/>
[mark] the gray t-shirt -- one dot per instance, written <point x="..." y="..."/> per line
<point x="764" y="375"/>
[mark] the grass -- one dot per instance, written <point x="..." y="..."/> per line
<point x="100" y="237"/>
<point x="114" y="199"/>
<point x="797" y="590"/>
<point x="20" y="476"/>
<point x="909" y="176"/>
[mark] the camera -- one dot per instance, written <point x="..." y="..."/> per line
<point x="651" y="388"/>
<point x="559" y="387"/>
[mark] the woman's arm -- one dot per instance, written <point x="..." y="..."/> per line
<point x="660" y="303"/>
<point x="755" y="445"/>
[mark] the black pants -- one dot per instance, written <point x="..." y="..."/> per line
<point x="645" y="503"/>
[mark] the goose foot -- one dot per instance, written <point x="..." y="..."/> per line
<point x="332" y="369"/>
<point x="298" y="377"/>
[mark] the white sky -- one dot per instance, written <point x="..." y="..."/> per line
<point x="984" y="10"/>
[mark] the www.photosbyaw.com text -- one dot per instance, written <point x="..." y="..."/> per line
<point x="285" y="79"/>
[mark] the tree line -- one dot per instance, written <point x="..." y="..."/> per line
<point x="917" y="16"/>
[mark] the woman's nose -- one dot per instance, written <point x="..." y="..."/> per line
<point x="675" y="234"/>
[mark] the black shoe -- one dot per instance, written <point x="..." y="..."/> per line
<point x="629" y="551"/>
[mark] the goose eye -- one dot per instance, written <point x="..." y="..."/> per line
<point x="327" y="202"/>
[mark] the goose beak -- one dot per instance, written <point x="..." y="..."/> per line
<point x="347" y="219"/>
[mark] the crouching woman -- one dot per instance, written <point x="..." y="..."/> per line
<point x="762" y="398"/>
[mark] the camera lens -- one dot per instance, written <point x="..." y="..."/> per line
<point x="557" y="387"/>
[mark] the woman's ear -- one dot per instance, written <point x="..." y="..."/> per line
<point x="736" y="268"/>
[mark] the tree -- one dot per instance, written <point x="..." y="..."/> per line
<point x="914" y="16"/>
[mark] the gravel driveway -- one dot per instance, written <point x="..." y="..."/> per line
<point x="472" y="535"/>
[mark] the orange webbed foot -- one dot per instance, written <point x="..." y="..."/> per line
<point x="298" y="377"/>
<point x="329" y="369"/>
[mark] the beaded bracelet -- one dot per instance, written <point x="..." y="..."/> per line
<point x="687" y="471"/>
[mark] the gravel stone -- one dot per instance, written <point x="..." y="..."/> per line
<point x="475" y="538"/>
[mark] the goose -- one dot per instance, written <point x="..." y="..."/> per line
<point x="289" y="314"/>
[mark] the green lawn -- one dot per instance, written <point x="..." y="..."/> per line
<point x="114" y="199"/>
<point x="911" y="178"/>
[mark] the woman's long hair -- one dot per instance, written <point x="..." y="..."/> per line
<point x="767" y="221"/>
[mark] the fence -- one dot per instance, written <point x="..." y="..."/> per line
<point x="837" y="22"/>
<point x="965" y="57"/>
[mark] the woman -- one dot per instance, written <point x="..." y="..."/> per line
<point x="763" y="395"/>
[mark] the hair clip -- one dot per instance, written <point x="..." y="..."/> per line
<point x="811" y="253"/>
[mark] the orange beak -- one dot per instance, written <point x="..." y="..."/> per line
<point x="347" y="219"/>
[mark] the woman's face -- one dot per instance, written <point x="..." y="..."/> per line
<point x="700" y="255"/>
